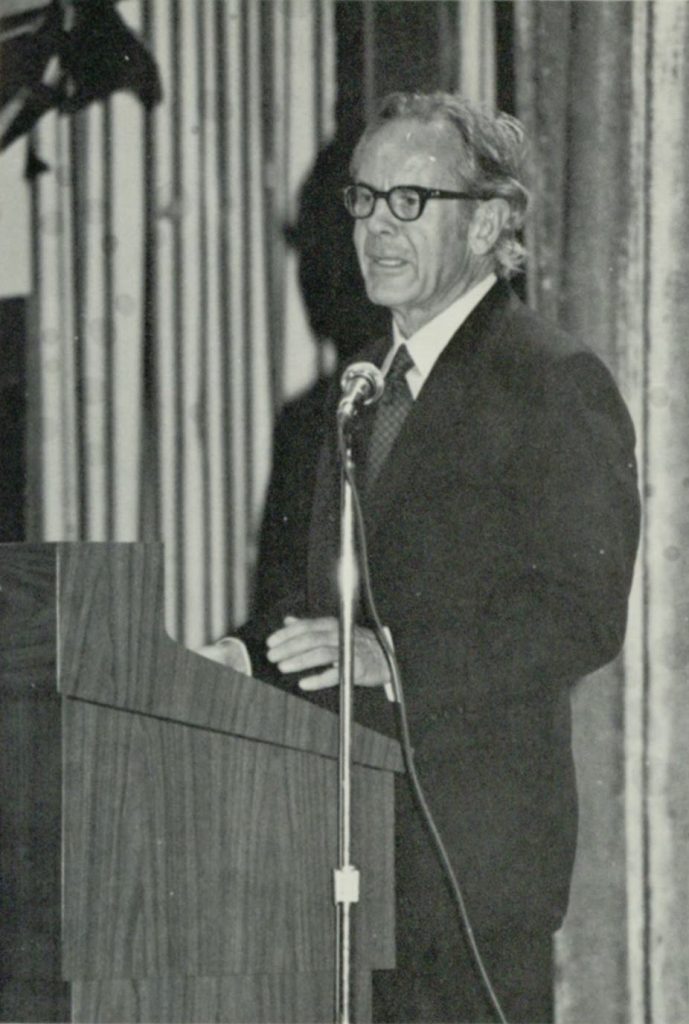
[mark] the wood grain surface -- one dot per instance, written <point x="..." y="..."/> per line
<point x="30" y="789"/>
<point x="28" y="593"/>
<point x="306" y="998"/>
<point x="113" y="650"/>
<point x="195" y="853"/>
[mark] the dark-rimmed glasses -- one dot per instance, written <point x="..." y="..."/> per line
<point x="406" y="202"/>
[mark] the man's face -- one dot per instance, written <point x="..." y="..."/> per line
<point x="416" y="268"/>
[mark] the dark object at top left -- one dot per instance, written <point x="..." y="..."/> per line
<point x="65" y="55"/>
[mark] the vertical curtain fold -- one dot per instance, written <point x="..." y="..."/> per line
<point x="631" y="361"/>
<point x="96" y="338"/>
<point x="476" y="33"/>
<point x="667" y="509"/>
<point x="54" y="416"/>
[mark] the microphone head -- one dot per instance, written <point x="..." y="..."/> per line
<point x="368" y="376"/>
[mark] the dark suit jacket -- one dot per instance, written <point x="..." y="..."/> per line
<point x="502" y="533"/>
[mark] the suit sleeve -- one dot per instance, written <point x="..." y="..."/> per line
<point x="558" y="611"/>
<point x="280" y="584"/>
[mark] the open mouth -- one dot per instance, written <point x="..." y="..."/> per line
<point x="388" y="262"/>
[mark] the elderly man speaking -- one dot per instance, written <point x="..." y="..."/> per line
<point x="502" y="516"/>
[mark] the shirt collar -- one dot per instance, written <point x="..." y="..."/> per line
<point x="426" y="344"/>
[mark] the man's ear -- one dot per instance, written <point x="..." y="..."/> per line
<point x="487" y="224"/>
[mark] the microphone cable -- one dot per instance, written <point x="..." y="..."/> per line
<point x="404" y="734"/>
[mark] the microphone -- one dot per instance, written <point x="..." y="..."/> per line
<point x="362" y="384"/>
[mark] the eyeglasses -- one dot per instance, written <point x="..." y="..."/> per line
<point x="406" y="202"/>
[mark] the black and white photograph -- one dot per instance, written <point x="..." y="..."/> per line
<point x="344" y="511"/>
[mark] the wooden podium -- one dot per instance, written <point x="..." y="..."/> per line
<point x="168" y="833"/>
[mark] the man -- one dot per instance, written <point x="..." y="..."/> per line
<point x="502" y="529"/>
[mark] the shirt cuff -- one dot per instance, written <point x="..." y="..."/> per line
<point x="389" y="686"/>
<point x="229" y="651"/>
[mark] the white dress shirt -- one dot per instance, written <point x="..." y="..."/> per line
<point x="426" y="344"/>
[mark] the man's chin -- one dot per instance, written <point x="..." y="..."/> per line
<point x="387" y="294"/>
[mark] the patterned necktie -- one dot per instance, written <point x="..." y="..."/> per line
<point x="391" y="413"/>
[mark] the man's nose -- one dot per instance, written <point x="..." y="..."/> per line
<point x="382" y="218"/>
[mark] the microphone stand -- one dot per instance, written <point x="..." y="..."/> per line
<point x="362" y="384"/>
<point x="346" y="875"/>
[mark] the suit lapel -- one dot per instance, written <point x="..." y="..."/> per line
<point x="440" y="407"/>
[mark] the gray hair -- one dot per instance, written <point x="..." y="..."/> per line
<point x="492" y="159"/>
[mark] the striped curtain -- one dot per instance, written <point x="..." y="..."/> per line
<point x="167" y="321"/>
<point x="445" y="45"/>
<point x="603" y="88"/>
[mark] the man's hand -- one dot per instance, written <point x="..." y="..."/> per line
<point x="303" y="644"/>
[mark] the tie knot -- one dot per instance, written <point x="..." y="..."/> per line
<point x="399" y="368"/>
